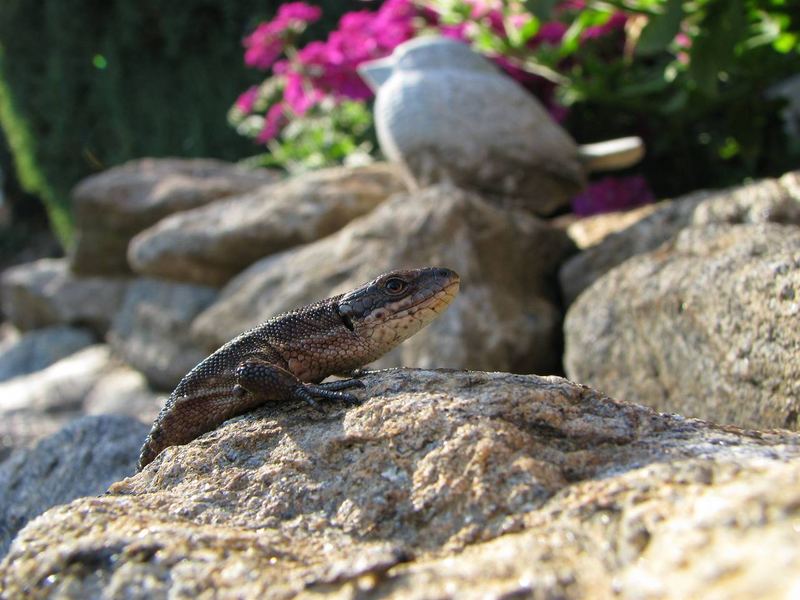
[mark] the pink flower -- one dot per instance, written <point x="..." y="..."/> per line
<point x="299" y="11"/>
<point x="274" y="121"/>
<point x="247" y="100"/>
<point x="263" y="46"/>
<point x="550" y="33"/>
<point x="612" y="193"/>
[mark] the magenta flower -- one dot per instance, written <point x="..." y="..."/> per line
<point x="615" y="23"/>
<point x="274" y="121"/>
<point x="299" y="12"/>
<point x="247" y="100"/>
<point x="612" y="193"/>
<point x="268" y="40"/>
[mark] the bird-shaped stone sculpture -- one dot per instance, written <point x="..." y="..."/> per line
<point x="445" y="113"/>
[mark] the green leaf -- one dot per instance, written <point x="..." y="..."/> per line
<point x="661" y="30"/>
<point x="541" y="9"/>
<point x="785" y="43"/>
<point x="712" y="52"/>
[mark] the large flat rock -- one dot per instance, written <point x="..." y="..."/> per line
<point x="151" y="329"/>
<point x="211" y="244"/>
<point x="646" y="228"/>
<point x="442" y="484"/>
<point x="707" y="326"/>
<point x="45" y="292"/>
<point x="112" y="206"/>
<point x="22" y="354"/>
<point x="507" y="315"/>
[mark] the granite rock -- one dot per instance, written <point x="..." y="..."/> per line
<point x="46" y="292"/>
<point x="151" y="330"/>
<point x="443" y="484"/>
<point x="768" y="200"/>
<point x="211" y="244"/>
<point x="22" y="354"/>
<point x="111" y="207"/>
<point x="705" y="326"/>
<point x="82" y="459"/>
<point x="506" y="317"/>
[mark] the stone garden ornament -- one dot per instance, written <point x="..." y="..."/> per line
<point x="445" y="113"/>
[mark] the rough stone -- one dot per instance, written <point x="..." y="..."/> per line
<point x="211" y="244"/>
<point x="505" y="318"/>
<point x="111" y="207"/>
<point x="82" y="459"/>
<point x="35" y="405"/>
<point x="448" y="115"/>
<point x="769" y="200"/>
<point x="705" y="326"/>
<point x="22" y="354"/>
<point x="443" y="484"/>
<point x="151" y="330"/>
<point x="45" y="292"/>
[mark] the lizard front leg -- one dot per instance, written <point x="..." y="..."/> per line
<point x="269" y="381"/>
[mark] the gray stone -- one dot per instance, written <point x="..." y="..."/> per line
<point x="769" y="200"/>
<point x="211" y="244"/>
<point x="506" y="315"/>
<point x="113" y="206"/>
<point x="35" y="350"/>
<point x="45" y="292"/>
<point x="82" y="459"/>
<point x="124" y="391"/>
<point x="446" y="114"/>
<point x="35" y="405"/>
<point x="442" y="484"/>
<point x="151" y="330"/>
<point x="705" y="326"/>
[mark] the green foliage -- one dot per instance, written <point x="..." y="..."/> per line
<point x="329" y="134"/>
<point x="86" y="84"/>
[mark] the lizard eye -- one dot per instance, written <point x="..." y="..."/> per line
<point x="395" y="285"/>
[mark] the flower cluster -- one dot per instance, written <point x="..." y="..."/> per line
<point x="611" y="194"/>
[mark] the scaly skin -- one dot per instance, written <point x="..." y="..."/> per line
<point x="286" y="357"/>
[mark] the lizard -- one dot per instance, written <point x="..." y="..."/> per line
<point x="288" y="356"/>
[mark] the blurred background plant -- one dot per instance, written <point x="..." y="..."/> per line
<point x="697" y="79"/>
<point x="84" y="86"/>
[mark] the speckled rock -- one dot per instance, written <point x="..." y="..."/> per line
<point x="769" y="200"/>
<point x="211" y="244"/>
<point x="82" y="459"/>
<point x="151" y="330"/>
<point x="443" y="484"/>
<point x="707" y="325"/>
<point x="45" y="292"/>
<point x="505" y="318"/>
<point x="111" y="207"/>
<point x="22" y="354"/>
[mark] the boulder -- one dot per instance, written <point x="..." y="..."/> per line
<point x="442" y="484"/>
<point x="705" y="326"/>
<point x="151" y="330"/>
<point x="769" y="200"/>
<point x="82" y="459"/>
<point x="22" y="354"/>
<point x="113" y="206"/>
<point x="35" y="405"/>
<point x="124" y="391"/>
<point x="211" y="244"/>
<point x="507" y="316"/>
<point x="45" y="292"/>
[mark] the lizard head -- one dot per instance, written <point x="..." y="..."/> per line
<point x="397" y="304"/>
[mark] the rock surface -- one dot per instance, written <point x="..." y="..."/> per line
<point x="706" y="325"/>
<point x="505" y="318"/>
<point x="111" y="207"/>
<point x="124" y="391"/>
<point x="211" y="244"/>
<point x="151" y="330"/>
<point x="45" y="292"/>
<point x="22" y="354"/>
<point x="82" y="459"/>
<point x="443" y="484"/>
<point x="769" y="200"/>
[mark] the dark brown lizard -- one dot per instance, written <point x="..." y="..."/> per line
<point x="288" y="356"/>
